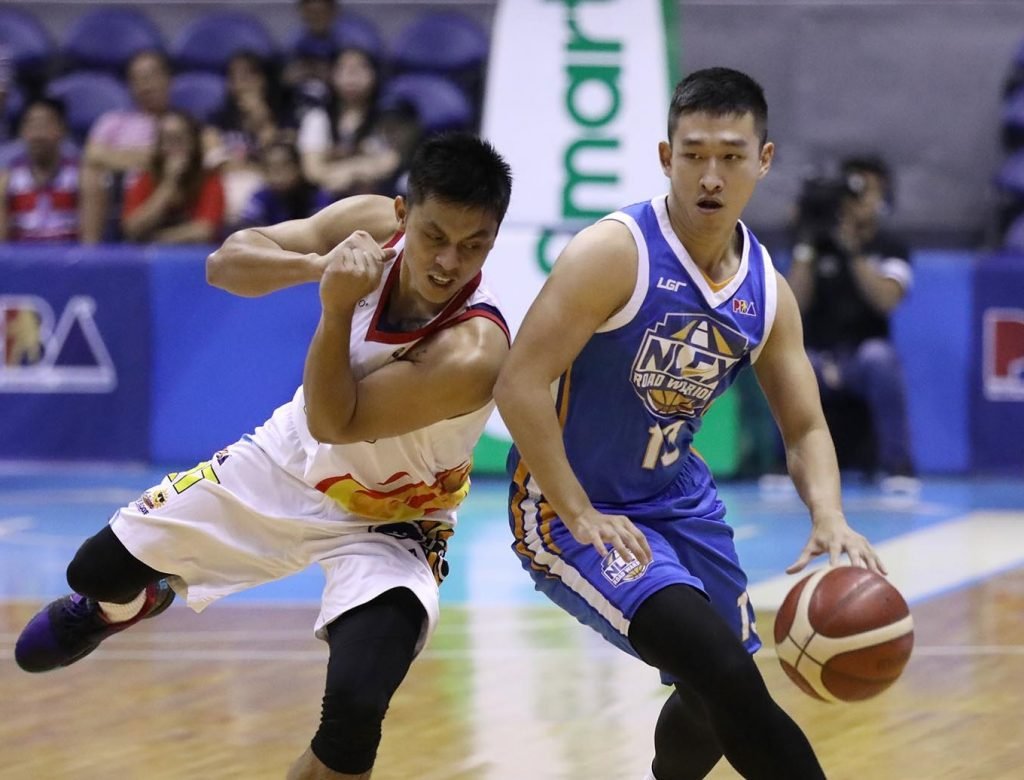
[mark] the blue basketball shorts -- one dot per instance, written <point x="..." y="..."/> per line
<point x="691" y="545"/>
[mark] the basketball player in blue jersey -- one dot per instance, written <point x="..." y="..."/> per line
<point x="361" y="472"/>
<point x="646" y="319"/>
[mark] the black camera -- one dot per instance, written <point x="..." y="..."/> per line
<point x="819" y="207"/>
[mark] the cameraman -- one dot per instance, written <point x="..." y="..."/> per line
<point x="848" y="276"/>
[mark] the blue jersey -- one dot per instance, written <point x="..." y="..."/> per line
<point x="633" y="399"/>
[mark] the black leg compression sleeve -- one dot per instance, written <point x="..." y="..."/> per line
<point x="685" y="744"/>
<point x="103" y="569"/>
<point x="371" y="649"/>
<point x="677" y="631"/>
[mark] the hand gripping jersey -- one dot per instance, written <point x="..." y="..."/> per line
<point x="423" y="474"/>
<point x="633" y="399"/>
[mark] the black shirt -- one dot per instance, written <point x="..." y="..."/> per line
<point x="839" y="316"/>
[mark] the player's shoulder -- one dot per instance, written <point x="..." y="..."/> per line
<point x="373" y="213"/>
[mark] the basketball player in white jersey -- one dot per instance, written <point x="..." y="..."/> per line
<point x="361" y="471"/>
<point x="647" y="318"/>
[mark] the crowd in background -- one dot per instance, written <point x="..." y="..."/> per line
<point x="291" y="134"/>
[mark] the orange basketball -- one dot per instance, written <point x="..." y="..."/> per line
<point x="669" y="401"/>
<point x="844" y="634"/>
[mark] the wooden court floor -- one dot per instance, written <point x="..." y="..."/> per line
<point x="498" y="695"/>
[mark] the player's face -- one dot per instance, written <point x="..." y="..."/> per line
<point x="713" y="164"/>
<point x="445" y="245"/>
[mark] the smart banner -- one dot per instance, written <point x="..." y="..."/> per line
<point x="576" y="100"/>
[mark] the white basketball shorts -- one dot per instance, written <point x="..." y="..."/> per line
<point x="239" y="520"/>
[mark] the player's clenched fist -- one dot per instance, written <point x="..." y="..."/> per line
<point x="351" y="270"/>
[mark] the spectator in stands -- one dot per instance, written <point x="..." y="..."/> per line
<point x="39" y="187"/>
<point x="176" y="201"/>
<point x="308" y="70"/>
<point x="848" y="276"/>
<point x="252" y="118"/>
<point x="123" y="141"/>
<point x="342" y="146"/>
<point x="287" y="194"/>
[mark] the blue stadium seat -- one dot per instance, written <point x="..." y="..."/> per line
<point x="211" y="40"/>
<point x="442" y="42"/>
<point x="14" y="103"/>
<point x="356" y="32"/>
<point x="86" y="95"/>
<point x="1010" y="177"/>
<point x="1014" y="238"/>
<point x="198" y="93"/>
<point x="107" y="38"/>
<point x="439" y="104"/>
<point x="30" y="46"/>
<point x="1013" y="121"/>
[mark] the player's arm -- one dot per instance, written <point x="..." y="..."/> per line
<point x="257" y="261"/>
<point x="789" y="385"/>
<point x="448" y="374"/>
<point x="594" y="277"/>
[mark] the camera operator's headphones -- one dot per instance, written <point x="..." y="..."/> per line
<point x="852" y="169"/>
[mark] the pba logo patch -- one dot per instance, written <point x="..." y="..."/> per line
<point x="1004" y="354"/>
<point x="681" y="361"/>
<point x="618" y="570"/>
<point x="740" y="306"/>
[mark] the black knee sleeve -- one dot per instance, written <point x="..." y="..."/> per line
<point x="103" y="569"/>
<point x="372" y="647"/>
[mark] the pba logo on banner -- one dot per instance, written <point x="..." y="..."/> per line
<point x="1004" y="354"/>
<point x="43" y="353"/>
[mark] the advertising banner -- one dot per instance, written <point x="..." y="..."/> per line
<point x="74" y="354"/>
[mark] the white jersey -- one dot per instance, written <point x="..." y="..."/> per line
<point x="423" y="474"/>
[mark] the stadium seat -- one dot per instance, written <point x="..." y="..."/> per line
<point x="198" y="93"/>
<point x="14" y="103"/>
<point x="211" y="40"/>
<point x="30" y="46"/>
<point x="1010" y="177"/>
<point x="439" y="104"/>
<point x="107" y="38"/>
<point x="352" y="31"/>
<point x="443" y="42"/>
<point x="86" y="95"/>
<point x="1014" y="237"/>
<point x="1013" y="121"/>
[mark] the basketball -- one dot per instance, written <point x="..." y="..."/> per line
<point x="844" y="634"/>
<point x="670" y="401"/>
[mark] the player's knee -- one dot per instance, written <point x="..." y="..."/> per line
<point x="350" y="729"/>
<point x="91" y="575"/>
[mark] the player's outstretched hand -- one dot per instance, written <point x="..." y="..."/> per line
<point x="599" y="530"/>
<point x="834" y="537"/>
<point x="352" y="270"/>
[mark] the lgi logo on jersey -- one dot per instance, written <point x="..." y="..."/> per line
<point x="681" y="361"/>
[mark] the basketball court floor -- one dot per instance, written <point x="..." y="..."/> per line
<point x="510" y="687"/>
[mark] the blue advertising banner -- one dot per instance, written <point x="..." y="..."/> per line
<point x="998" y="382"/>
<point x="74" y="353"/>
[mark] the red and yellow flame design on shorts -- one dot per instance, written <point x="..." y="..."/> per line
<point x="397" y="498"/>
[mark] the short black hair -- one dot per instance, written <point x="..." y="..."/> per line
<point x="463" y="169"/>
<point x="719" y="92"/>
<point x="54" y="104"/>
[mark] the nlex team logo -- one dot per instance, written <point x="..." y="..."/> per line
<point x="43" y="353"/>
<point x="618" y="570"/>
<point x="681" y="361"/>
<point x="1003" y="376"/>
